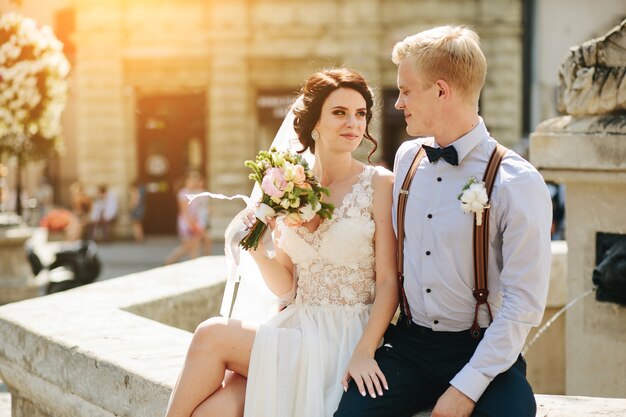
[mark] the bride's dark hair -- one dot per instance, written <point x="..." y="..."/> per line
<point x="314" y="93"/>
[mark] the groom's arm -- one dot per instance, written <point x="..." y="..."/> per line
<point x="524" y="216"/>
<point x="523" y="211"/>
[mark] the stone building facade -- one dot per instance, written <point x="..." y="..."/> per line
<point x="160" y="87"/>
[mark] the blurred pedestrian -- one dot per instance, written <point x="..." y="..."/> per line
<point x="103" y="214"/>
<point x="137" y="199"/>
<point x="557" y="195"/>
<point x="190" y="223"/>
<point x="81" y="207"/>
<point x="204" y="210"/>
<point x="44" y="197"/>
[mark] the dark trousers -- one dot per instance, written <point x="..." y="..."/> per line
<point x="419" y="364"/>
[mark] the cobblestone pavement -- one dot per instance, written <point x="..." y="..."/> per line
<point x="123" y="258"/>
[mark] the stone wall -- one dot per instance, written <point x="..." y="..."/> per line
<point x="109" y="348"/>
<point x="230" y="50"/>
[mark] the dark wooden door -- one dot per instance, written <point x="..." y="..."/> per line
<point x="394" y="127"/>
<point x="171" y="142"/>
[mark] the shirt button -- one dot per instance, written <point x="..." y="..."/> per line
<point x="427" y="289"/>
<point x="436" y="321"/>
<point x="430" y="216"/>
<point x="438" y="179"/>
<point x="427" y="252"/>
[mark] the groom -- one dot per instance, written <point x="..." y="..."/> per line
<point x="434" y="356"/>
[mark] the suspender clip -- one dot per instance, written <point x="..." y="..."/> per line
<point x="481" y="295"/>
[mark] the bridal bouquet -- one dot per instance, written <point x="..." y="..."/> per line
<point x="289" y="189"/>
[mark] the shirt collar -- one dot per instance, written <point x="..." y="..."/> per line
<point x="470" y="140"/>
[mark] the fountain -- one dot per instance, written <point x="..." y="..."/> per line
<point x="586" y="151"/>
<point x="17" y="281"/>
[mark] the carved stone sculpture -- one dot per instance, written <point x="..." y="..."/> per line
<point x="593" y="76"/>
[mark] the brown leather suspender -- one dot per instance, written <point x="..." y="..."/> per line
<point x="481" y="242"/>
<point x="481" y="238"/>
<point x="405" y="311"/>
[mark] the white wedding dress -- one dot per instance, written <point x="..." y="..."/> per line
<point x="299" y="357"/>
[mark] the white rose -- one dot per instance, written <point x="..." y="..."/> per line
<point x="307" y="212"/>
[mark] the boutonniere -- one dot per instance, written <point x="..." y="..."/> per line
<point x="474" y="198"/>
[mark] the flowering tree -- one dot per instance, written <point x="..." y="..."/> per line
<point x="33" y="90"/>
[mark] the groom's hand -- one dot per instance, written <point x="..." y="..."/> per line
<point x="364" y="371"/>
<point x="453" y="403"/>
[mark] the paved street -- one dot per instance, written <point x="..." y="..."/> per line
<point x="122" y="258"/>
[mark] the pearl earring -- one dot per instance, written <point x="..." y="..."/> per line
<point x="315" y="135"/>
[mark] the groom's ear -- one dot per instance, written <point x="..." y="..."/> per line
<point x="443" y="89"/>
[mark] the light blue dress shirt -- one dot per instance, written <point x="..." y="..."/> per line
<point x="438" y="253"/>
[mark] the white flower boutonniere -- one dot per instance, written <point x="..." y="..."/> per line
<point x="474" y="199"/>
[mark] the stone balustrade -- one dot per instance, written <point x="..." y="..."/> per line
<point x="115" y="348"/>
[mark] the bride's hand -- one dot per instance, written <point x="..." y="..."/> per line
<point x="250" y="221"/>
<point x="365" y="372"/>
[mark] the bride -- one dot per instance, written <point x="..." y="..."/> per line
<point x="344" y="272"/>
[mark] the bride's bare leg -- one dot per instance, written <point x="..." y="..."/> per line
<point x="218" y="344"/>
<point x="227" y="401"/>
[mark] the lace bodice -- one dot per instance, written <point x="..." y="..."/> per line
<point x="335" y="263"/>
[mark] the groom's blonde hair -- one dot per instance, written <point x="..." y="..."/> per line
<point x="449" y="53"/>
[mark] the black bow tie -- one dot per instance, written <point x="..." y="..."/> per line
<point x="448" y="154"/>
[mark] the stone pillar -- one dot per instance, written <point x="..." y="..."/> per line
<point x="101" y="139"/>
<point x="231" y="122"/>
<point x="16" y="278"/>
<point x="586" y="151"/>
<point x="589" y="157"/>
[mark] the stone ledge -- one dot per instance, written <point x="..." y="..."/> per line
<point x="564" y="406"/>
<point x="583" y="145"/>
<point x="83" y="353"/>
<point x="97" y="351"/>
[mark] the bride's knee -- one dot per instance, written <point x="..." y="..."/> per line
<point x="210" y="332"/>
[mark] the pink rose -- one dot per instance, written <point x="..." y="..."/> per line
<point x="274" y="183"/>
<point x="299" y="177"/>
